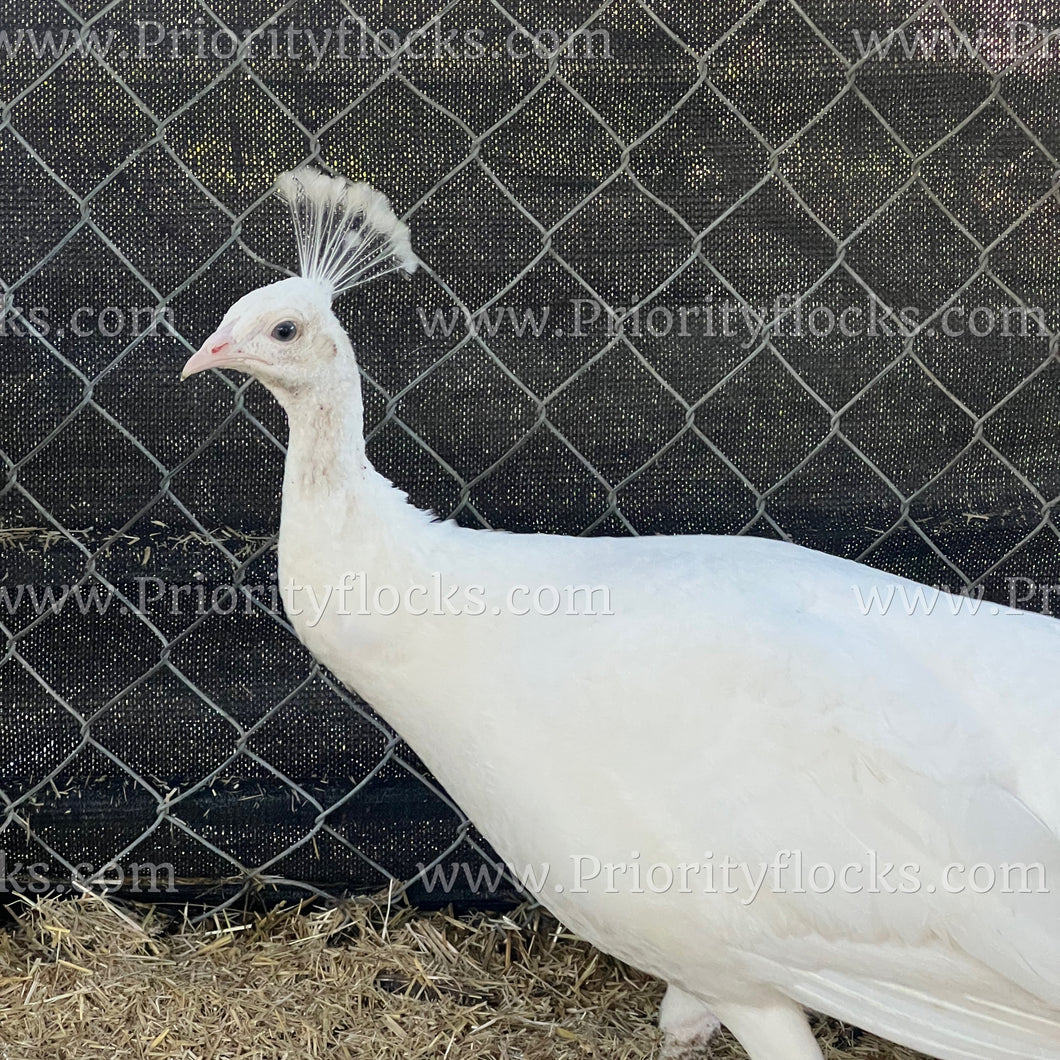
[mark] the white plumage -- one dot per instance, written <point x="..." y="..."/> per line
<point x="736" y="703"/>
<point x="346" y="232"/>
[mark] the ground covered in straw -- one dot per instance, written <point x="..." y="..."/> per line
<point x="85" y="980"/>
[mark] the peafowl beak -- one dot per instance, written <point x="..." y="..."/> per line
<point x="220" y="350"/>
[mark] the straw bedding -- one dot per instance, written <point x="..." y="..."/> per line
<point x="86" y="979"/>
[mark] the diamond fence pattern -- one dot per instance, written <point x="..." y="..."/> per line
<point x="588" y="224"/>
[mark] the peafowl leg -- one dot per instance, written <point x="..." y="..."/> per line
<point x="688" y="1026"/>
<point x="777" y="1030"/>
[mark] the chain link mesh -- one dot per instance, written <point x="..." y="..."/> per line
<point x="752" y="155"/>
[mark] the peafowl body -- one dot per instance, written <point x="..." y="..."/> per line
<point x="731" y="712"/>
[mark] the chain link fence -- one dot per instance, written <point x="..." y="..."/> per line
<point x="775" y="268"/>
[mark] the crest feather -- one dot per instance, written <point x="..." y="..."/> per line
<point x="346" y="232"/>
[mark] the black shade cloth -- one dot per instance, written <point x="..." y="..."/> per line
<point x="675" y="166"/>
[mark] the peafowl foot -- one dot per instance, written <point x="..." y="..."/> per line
<point x="688" y="1027"/>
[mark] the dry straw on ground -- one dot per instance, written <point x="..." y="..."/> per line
<point x="85" y="980"/>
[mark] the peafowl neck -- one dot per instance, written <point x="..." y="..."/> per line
<point x="350" y="544"/>
<point x="326" y="453"/>
<point x="336" y="506"/>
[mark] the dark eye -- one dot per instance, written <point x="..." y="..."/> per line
<point x="285" y="331"/>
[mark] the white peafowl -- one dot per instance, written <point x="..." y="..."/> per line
<point x="731" y="765"/>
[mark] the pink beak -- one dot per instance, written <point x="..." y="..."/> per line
<point x="218" y="350"/>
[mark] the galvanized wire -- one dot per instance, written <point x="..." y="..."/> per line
<point x="19" y="806"/>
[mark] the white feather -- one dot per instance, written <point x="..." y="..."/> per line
<point x="346" y="232"/>
<point x="737" y="701"/>
<point x="733" y="697"/>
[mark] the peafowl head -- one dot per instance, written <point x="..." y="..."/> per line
<point x="285" y="334"/>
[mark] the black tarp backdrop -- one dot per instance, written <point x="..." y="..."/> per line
<point x="689" y="156"/>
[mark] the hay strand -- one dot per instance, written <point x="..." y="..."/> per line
<point x="81" y="979"/>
